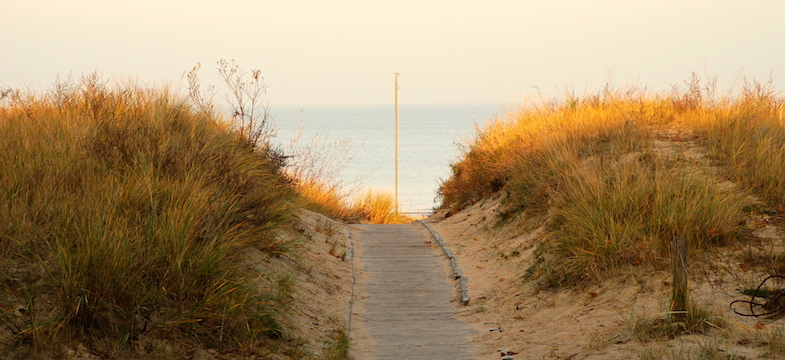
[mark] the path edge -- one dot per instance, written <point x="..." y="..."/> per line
<point x="463" y="281"/>
<point x="350" y="255"/>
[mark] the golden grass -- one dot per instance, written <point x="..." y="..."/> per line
<point x="370" y="206"/>
<point x="612" y="215"/>
<point x="377" y="207"/>
<point x="316" y="195"/>
<point x="748" y="136"/>
<point x="591" y="166"/>
<point x="546" y="132"/>
<point x="124" y="213"/>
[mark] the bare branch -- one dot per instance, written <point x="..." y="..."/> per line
<point x="250" y="113"/>
<point x="203" y="100"/>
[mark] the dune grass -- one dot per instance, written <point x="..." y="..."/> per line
<point x="369" y="206"/>
<point x="612" y="196"/>
<point x="627" y="214"/>
<point x="376" y="207"/>
<point x="318" y="196"/>
<point x="124" y="214"/>
<point x="541" y="137"/>
<point x="748" y="136"/>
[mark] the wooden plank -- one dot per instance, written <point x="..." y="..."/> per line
<point x="409" y="313"/>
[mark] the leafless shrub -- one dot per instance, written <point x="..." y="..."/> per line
<point x="249" y="112"/>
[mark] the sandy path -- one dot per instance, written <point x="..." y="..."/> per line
<point x="407" y="309"/>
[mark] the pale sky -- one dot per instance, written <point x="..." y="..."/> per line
<point x="345" y="52"/>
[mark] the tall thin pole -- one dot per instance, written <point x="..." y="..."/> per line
<point x="396" y="142"/>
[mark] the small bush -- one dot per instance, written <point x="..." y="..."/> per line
<point x="318" y="196"/>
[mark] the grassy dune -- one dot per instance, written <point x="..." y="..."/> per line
<point x="124" y="215"/>
<point x="610" y="184"/>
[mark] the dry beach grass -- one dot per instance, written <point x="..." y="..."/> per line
<point x="564" y="214"/>
<point x="129" y="225"/>
<point x="133" y="225"/>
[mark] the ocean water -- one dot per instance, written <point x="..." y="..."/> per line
<point x="428" y="138"/>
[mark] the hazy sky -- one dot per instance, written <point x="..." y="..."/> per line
<point x="345" y="52"/>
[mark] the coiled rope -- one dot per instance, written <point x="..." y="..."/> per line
<point x="764" y="303"/>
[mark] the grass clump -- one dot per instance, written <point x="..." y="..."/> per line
<point x="124" y="214"/>
<point x="698" y="320"/>
<point x="748" y="136"/>
<point x="370" y="206"/>
<point x="628" y="213"/>
<point x="615" y="185"/>
<point x="376" y="207"/>
<point x="337" y="348"/>
<point x="523" y="150"/>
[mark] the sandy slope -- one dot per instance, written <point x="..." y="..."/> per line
<point x="324" y="286"/>
<point x="592" y="322"/>
<point x="597" y="321"/>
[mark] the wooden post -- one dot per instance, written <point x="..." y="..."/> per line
<point x="396" y="143"/>
<point x="679" y="295"/>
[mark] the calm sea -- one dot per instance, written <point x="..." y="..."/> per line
<point x="427" y="146"/>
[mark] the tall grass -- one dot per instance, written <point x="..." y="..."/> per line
<point x="613" y="199"/>
<point x="522" y="144"/>
<point x="369" y="206"/>
<point x="619" y="214"/>
<point x="128" y="213"/>
<point x="748" y="136"/>
<point x="376" y="207"/>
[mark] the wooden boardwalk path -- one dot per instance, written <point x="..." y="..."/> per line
<point x="408" y="312"/>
